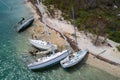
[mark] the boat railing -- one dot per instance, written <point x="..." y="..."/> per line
<point x="24" y="20"/>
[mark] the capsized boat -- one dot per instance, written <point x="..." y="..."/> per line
<point x="24" y="24"/>
<point x="43" y="45"/>
<point x="73" y="58"/>
<point x="49" y="61"/>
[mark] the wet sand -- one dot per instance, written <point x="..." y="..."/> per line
<point x="111" y="69"/>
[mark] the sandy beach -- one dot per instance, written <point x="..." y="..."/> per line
<point x="38" y="32"/>
<point x="111" y="69"/>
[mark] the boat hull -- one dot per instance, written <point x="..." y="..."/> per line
<point x="25" y="25"/>
<point x="65" y="64"/>
<point x="42" y="45"/>
<point x="51" y="62"/>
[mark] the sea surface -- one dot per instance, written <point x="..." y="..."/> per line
<point x="12" y="45"/>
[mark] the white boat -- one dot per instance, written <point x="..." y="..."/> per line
<point x="73" y="58"/>
<point x="43" y="45"/>
<point x="49" y="61"/>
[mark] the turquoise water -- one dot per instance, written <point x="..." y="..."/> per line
<point x="12" y="45"/>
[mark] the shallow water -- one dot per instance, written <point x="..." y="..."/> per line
<point x="12" y="45"/>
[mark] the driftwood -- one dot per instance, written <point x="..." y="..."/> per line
<point x="71" y="41"/>
<point x="73" y="45"/>
<point x="43" y="52"/>
<point x="104" y="59"/>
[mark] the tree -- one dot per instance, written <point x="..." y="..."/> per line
<point x="96" y="25"/>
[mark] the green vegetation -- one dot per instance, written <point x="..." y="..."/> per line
<point x="115" y="36"/>
<point x="33" y="1"/>
<point x="96" y="16"/>
<point x="118" y="47"/>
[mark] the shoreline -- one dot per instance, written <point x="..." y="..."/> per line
<point x="109" y="68"/>
<point x="38" y="31"/>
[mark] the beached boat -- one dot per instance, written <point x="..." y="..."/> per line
<point x="49" y="61"/>
<point x="24" y="24"/>
<point x="73" y="59"/>
<point x="43" y="45"/>
<point x="56" y="57"/>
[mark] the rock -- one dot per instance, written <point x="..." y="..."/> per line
<point x="115" y="6"/>
<point x="118" y="15"/>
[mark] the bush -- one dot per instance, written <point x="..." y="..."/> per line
<point x="115" y="36"/>
<point x="118" y="47"/>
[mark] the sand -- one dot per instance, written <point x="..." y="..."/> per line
<point x="60" y="25"/>
<point x="33" y="10"/>
<point x="111" y="69"/>
<point x="39" y="32"/>
<point x="83" y="42"/>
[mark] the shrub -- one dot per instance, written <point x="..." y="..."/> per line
<point x="118" y="47"/>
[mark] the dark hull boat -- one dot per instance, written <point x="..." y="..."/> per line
<point x="24" y="24"/>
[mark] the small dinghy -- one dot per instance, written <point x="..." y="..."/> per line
<point x="73" y="58"/>
<point x="43" y="45"/>
<point x="49" y="61"/>
<point x="24" y="24"/>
